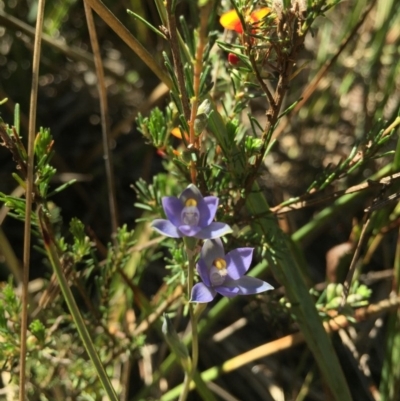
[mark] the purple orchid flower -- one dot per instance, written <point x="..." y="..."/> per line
<point x="225" y="274"/>
<point x="190" y="215"/>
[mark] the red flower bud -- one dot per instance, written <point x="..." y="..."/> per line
<point x="233" y="59"/>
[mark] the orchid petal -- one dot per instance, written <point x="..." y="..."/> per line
<point x="248" y="285"/>
<point x="206" y="217"/>
<point x="191" y="192"/>
<point x="165" y="227"/>
<point x="211" y="250"/>
<point x="173" y="208"/>
<point x="210" y="206"/>
<point x="227" y="291"/>
<point x="203" y="270"/>
<point x="190" y="231"/>
<point x="214" y="230"/>
<point x="201" y="293"/>
<point x="238" y="262"/>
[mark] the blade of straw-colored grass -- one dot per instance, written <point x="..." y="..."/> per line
<point x="285" y="268"/>
<point x="287" y="342"/>
<point x="105" y="124"/>
<point x="52" y="254"/>
<point x="111" y="20"/>
<point x="29" y="197"/>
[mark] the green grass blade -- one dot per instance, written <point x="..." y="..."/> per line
<point x="285" y="269"/>
<point x="74" y="310"/>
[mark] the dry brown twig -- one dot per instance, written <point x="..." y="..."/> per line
<point x="312" y="199"/>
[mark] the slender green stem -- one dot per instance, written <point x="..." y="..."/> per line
<point x="193" y="319"/>
<point x="73" y="308"/>
<point x="195" y="339"/>
<point x="186" y="387"/>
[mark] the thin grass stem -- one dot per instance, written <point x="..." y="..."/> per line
<point x="105" y="124"/>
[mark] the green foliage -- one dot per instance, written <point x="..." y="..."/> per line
<point x="81" y="246"/>
<point x="10" y="308"/>
<point x="149" y="195"/>
<point x="38" y="330"/>
<point x="155" y="127"/>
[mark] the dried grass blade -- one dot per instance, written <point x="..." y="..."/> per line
<point x="109" y="18"/>
<point x="105" y="124"/>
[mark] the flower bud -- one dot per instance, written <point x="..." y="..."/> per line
<point x="330" y="292"/>
<point x="334" y="303"/>
<point x="233" y="59"/>
<point x="339" y="289"/>
<point x="364" y="291"/>
<point x="354" y="298"/>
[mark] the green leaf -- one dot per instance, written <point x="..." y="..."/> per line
<point x="38" y="330"/>
<point x="286" y="269"/>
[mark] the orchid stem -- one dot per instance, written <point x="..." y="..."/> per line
<point x="189" y="373"/>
